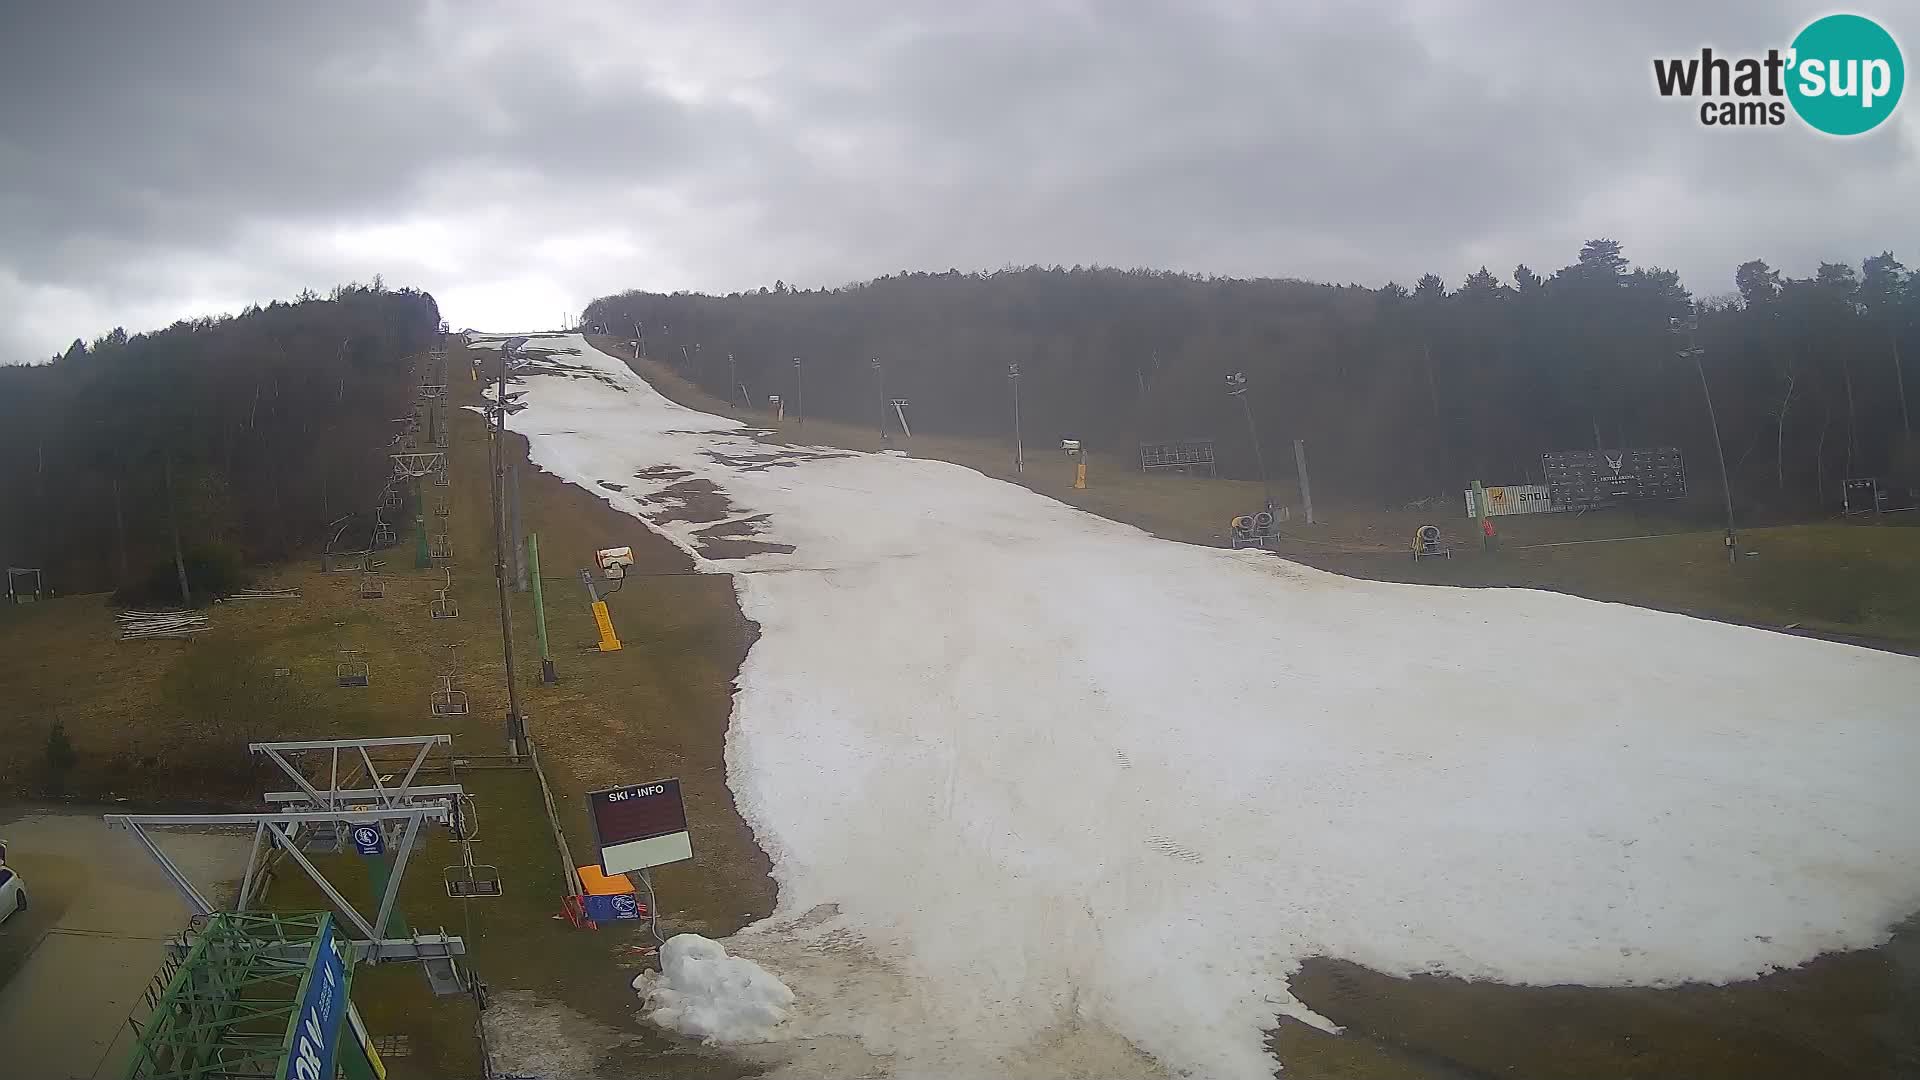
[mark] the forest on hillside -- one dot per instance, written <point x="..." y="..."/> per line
<point x="1400" y="393"/>
<point x="250" y="433"/>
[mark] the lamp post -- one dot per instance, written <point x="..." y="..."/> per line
<point x="1237" y="387"/>
<point x="733" y="380"/>
<point x="880" y="399"/>
<point x="799" y="395"/>
<point x="516" y="726"/>
<point x="1019" y="455"/>
<point x="1687" y="328"/>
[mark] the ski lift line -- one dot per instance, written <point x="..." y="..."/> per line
<point x="359" y="796"/>
<point x="329" y="744"/>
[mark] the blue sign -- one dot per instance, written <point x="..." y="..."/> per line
<point x="619" y="907"/>
<point x="368" y="841"/>
<point x="316" y="1027"/>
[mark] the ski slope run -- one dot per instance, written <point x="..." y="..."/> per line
<point x="1045" y="794"/>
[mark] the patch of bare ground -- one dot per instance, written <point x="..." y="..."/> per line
<point x="733" y="540"/>
<point x="699" y="500"/>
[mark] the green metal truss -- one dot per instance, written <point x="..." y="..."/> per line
<point x="226" y="1009"/>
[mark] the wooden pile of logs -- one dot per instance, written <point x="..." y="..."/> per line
<point x="152" y="624"/>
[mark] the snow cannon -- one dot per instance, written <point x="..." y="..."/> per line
<point x="1427" y="544"/>
<point x="1257" y="529"/>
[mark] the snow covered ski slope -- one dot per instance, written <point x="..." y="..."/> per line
<point x="1044" y="794"/>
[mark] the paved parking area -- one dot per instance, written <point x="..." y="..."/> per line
<point x="74" y="965"/>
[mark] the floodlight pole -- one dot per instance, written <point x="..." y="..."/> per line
<point x="1019" y="451"/>
<point x="799" y="395"/>
<point x="516" y="728"/>
<point x="547" y="674"/>
<point x="1237" y="387"/>
<point x="880" y="396"/>
<point x="733" y="381"/>
<point x="1694" y="352"/>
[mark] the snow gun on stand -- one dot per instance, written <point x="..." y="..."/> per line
<point x="613" y="567"/>
<point x="1257" y="530"/>
<point x="1427" y="544"/>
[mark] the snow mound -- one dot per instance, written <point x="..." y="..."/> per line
<point x="716" y="998"/>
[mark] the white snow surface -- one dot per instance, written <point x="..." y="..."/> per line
<point x="701" y="991"/>
<point x="1022" y="770"/>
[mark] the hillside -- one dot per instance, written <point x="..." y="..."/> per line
<point x="1401" y="394"/>
<point x="245" y="436"/>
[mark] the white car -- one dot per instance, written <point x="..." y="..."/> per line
<point x="13" y="893"/>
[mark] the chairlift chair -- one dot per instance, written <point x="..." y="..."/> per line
<point x="440" y="506"/>
<point x="467" y="818"/>
<point x="447" y="701"/>
<point x="324" y="839"/>
<point x="440" y="546"/>
<point x="350" y="669"/>
<point x="372" y="586"/>
<point x="440" y="476"/>
<point x="469" y="878"/>
<point x="444" y="606"/>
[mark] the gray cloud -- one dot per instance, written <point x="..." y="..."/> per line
<point x="165" y="160"/>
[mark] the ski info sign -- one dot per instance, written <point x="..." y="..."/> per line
<point x="639" y="826"/>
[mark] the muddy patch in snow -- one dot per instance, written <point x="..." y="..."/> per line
<point x="761" y="462"/>
<point x="736" y="539"/>
<point x="695" y="501"/>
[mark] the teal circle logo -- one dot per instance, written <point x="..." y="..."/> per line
<point x="1847" y="74"/>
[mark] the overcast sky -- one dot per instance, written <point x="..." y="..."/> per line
<point x="160" y="160"/>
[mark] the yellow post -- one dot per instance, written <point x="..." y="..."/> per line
<point x="1080" y="473"/>
<point x="608" y="643"/>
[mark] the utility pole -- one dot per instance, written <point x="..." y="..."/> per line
<point x="1237" y="387"/>
<point x="1694" y="352"/>
<point x="516" y="725"/>
<point x="1306" y="485"/>
<point x="540" y="612"/>
<point x="1019" y="449"/>
<point x="517" y="549"/>
<point x="799" y="396"/>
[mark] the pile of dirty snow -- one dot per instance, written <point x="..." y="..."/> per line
<point x="703" y="992"/>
